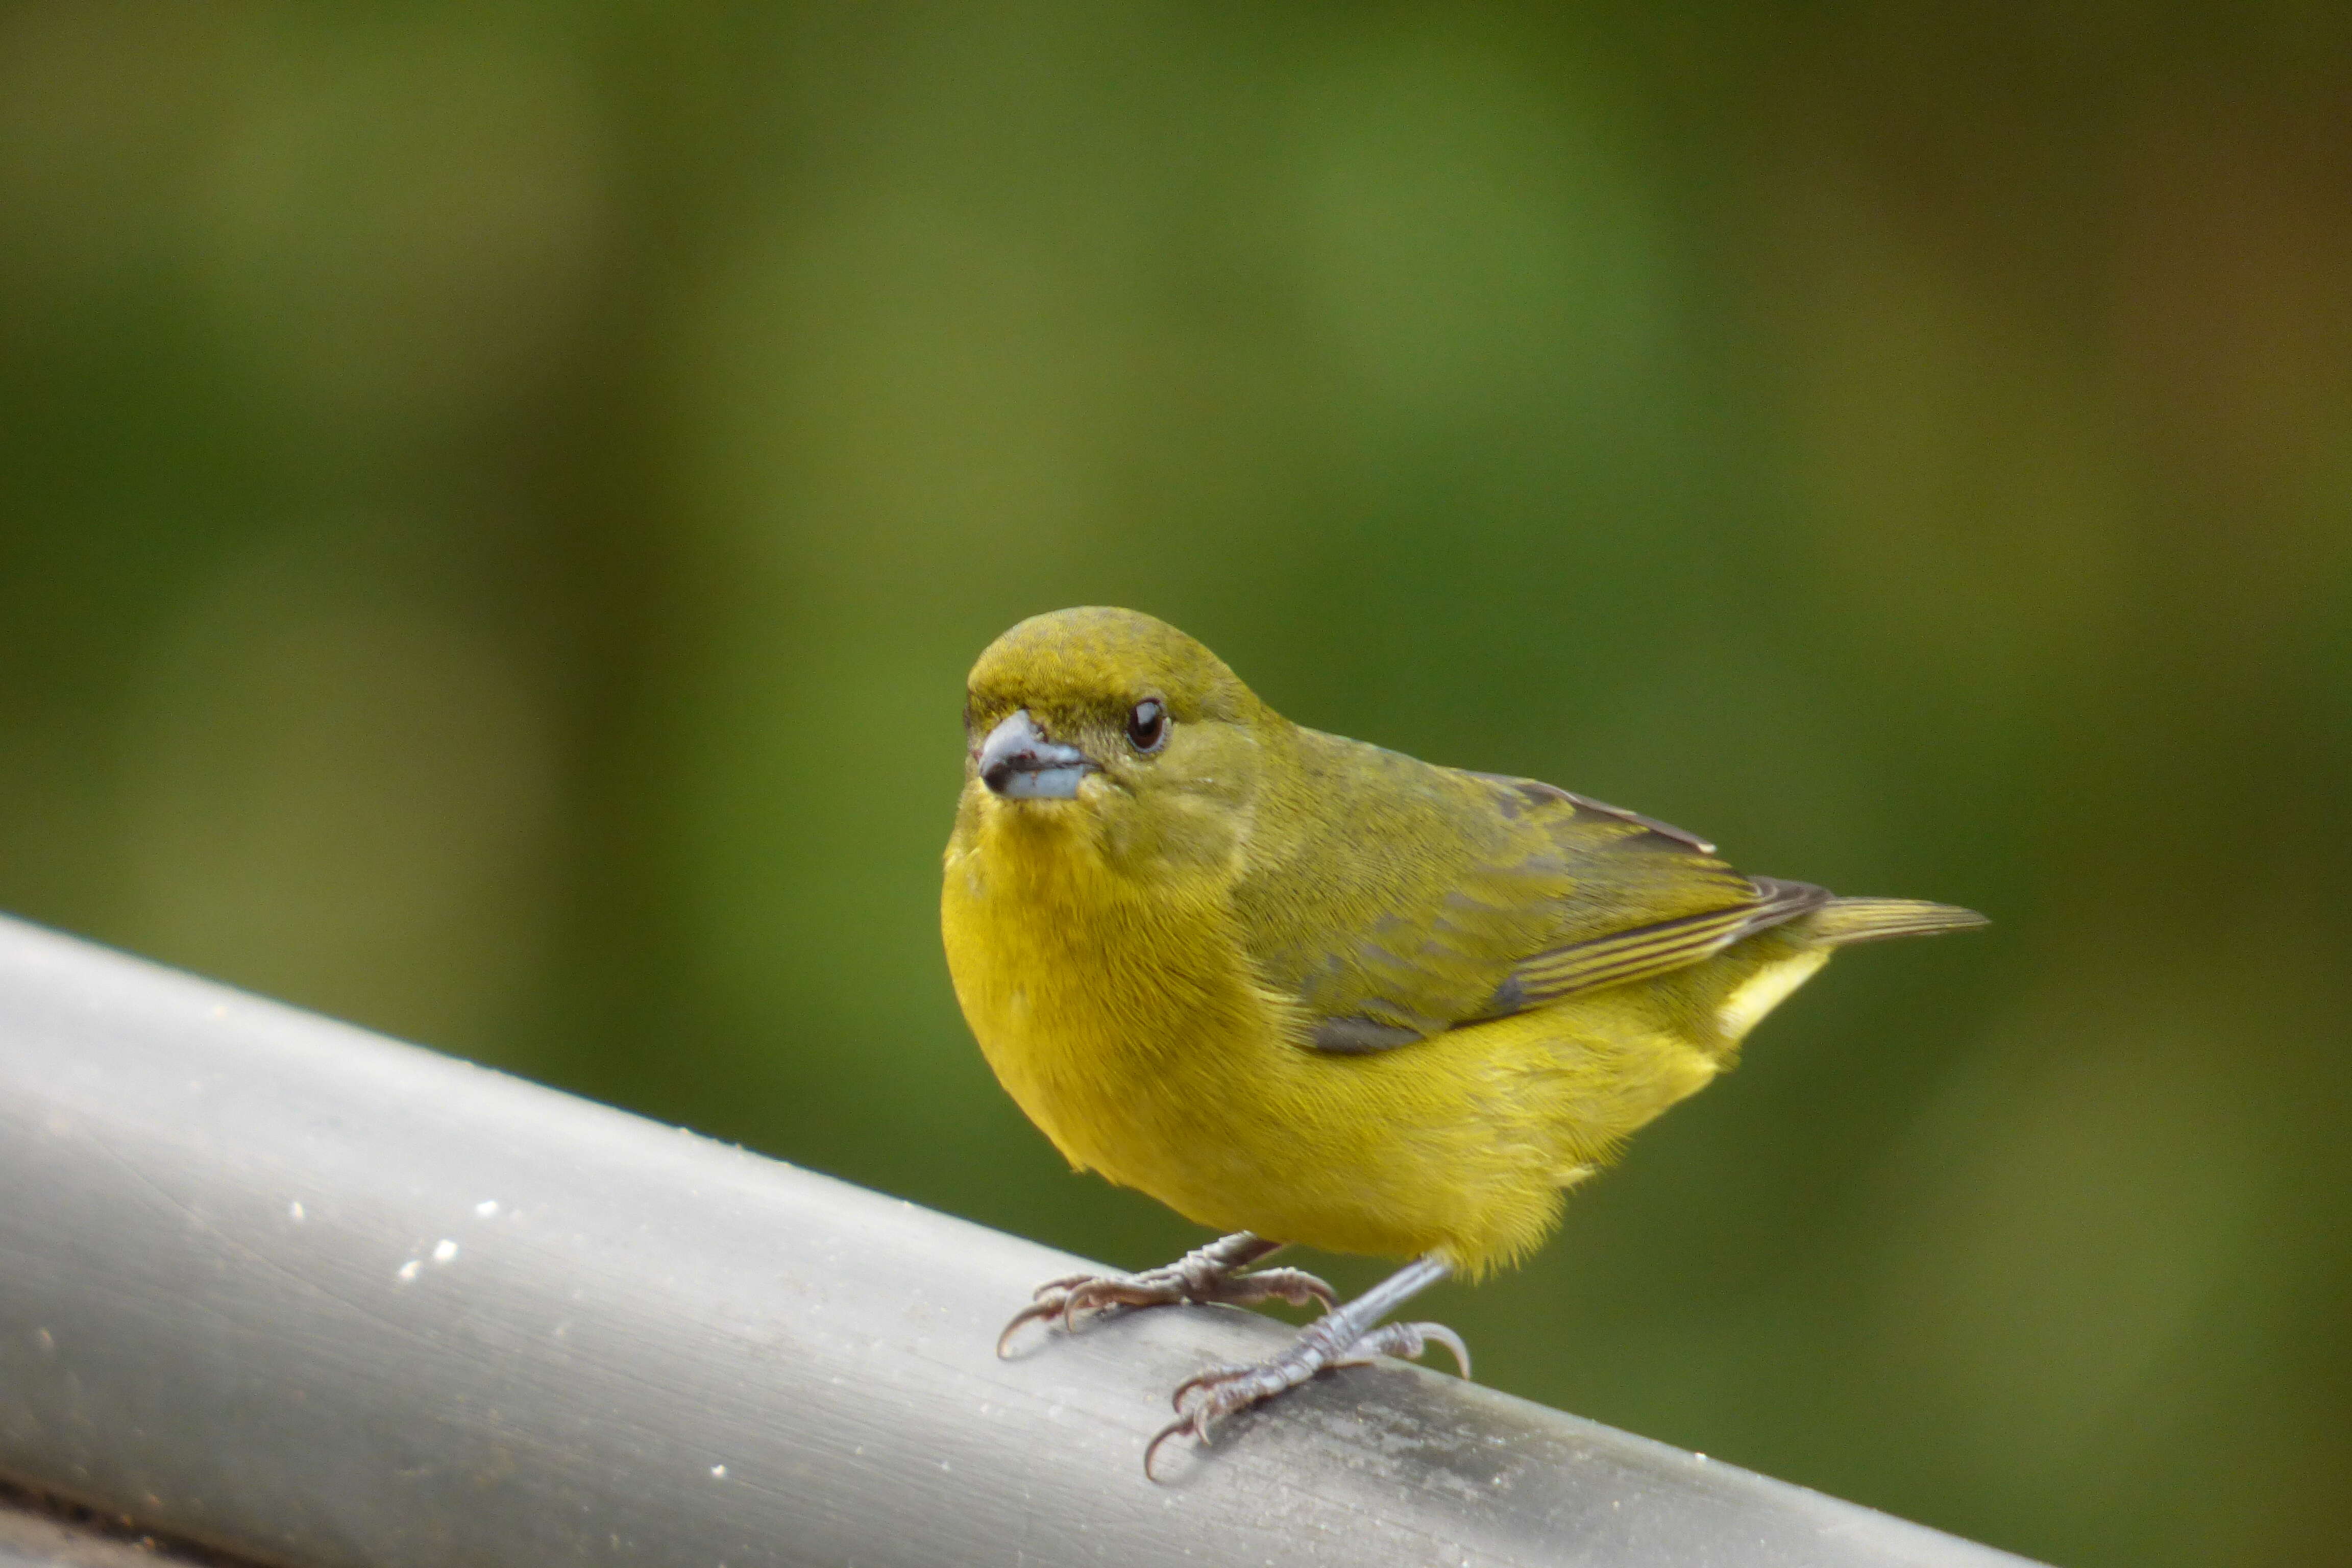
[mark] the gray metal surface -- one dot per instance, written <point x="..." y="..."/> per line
<point x="273" y="1283"/>
<point x="29" y="1540"/>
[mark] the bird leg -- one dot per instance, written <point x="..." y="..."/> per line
<point x="1206" y="1274"/>
<point x="1344" y="1336"/>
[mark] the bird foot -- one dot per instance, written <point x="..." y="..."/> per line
<point x="1207" y="1275"/>
<point x="1223" y="1389"/>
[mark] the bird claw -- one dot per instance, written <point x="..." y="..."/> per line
<point x="1190" y="1281"/>
<point x="1226" y="1390"/>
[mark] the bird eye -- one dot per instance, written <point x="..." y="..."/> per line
<point x="1147" y="725"/>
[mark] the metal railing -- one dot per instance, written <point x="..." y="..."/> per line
<point x="278" y="1287"/>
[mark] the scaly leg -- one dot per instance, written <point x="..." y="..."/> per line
<point x="1206" y="1274"/>
<point x="1342" y="1337"/>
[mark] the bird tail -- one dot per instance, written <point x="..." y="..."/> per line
<point x="1844" y="922"/>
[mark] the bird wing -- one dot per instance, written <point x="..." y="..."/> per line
<point x="1423" y="898"/>
<point x="1593" y="962"/>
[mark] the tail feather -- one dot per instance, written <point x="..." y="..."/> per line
<point x="1844" y="922"/>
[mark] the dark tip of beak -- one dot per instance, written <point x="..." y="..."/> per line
<point x="1018" y="763"/>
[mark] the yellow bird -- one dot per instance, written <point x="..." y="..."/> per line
<point x="1303" y="989"/>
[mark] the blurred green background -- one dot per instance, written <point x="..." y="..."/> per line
<point x="497" y="502"/>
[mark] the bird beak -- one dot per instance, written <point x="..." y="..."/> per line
<point x="1018" y="763"/>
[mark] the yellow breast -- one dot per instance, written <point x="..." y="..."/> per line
<point x="1127" y="1025"/>
<point x="1091" y="998"/>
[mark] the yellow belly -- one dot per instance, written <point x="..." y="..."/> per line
<point x="1131" y="1030"/>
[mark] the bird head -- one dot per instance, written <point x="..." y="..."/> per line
<point x="1110" y="720"/>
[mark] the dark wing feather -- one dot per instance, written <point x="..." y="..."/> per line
<point x="1419" y="898"/>
<point x="1645" y="951"/>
